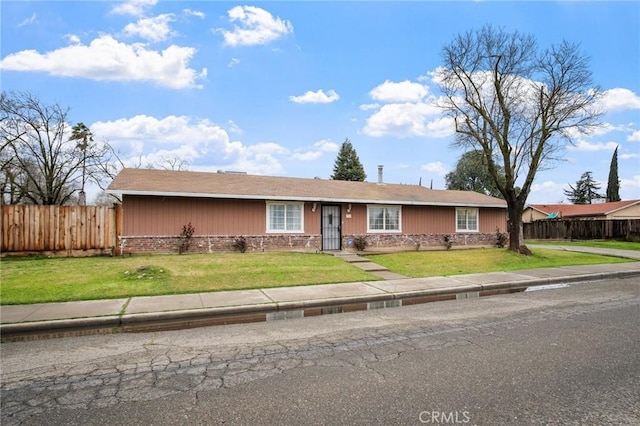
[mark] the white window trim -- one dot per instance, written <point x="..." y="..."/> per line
<point x="384" y="231"/>
<point x="280" y="231"/>
<point x="477" y="210"/>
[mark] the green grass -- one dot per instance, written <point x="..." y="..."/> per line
<point x="612" y="244"/>
<point x="41" y="280"/>
<point x="442" y="263"/>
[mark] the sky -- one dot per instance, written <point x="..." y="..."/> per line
<point x="274" y="88"/>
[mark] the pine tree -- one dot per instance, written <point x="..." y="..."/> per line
<point x="613" y="186"/>
<point x="347" y="165"/>
<point x="585" y="190"/>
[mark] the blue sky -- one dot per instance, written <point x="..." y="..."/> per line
<point x="275" y="87"/>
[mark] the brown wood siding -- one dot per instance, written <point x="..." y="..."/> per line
<point x="493" y="219"/>
<point x="146" y="215"/>
<point x="357" y="224"/>
<point x="424" y="220"/>
<point x="428" y="220"/>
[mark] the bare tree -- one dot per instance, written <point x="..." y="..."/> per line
<point x="516" y="104"/>
<point x="41" y="164"/>
<point x="174" y="163"/>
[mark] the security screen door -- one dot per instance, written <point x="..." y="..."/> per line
<point x="331" y="228"/>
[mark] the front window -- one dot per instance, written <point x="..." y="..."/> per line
<point x="384" y="218"/>
<point x="285" y="217"/>
<point x="466" y="220"/>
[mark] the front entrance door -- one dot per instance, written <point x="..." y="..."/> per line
<point x="331" y="228"/>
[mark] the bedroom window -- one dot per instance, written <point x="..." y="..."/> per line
<point x="285" y="217"/>
<point x="467" y="220"/>
<point x="383" y="218"/>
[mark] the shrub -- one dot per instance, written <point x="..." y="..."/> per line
<point x="186" y="237"/>
<point x="501" y="238"/>
<point x="360" y="243"/>
<point x="240" y="244"/>
<point x="448" y="242"/>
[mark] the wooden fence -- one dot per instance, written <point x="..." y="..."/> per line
<point x="588" y="229"/>
<point x="69" y="230"/>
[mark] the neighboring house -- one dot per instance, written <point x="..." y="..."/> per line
<point x="294" y="213"/>
<point x="616" y="210"/>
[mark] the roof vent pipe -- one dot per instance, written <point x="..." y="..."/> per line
<point x="380" y="179"/>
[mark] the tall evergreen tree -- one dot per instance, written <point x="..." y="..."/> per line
<point x="613" y="185"/>
<point x="585" y="190"/>
<point x="348" y="165"/>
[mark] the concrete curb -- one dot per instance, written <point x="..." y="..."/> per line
<point x="188" y="318"/>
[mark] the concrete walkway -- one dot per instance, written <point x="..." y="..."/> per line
<point x="24" y="322"/>
<point x="630" y="254"/>
<point x="368" y="266"/>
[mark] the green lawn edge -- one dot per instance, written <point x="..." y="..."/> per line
<point x="46" y="280"/>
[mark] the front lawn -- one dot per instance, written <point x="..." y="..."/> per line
<point x="38" y="280"/>
<point x="453" y="262"/>
<point x="41" y="280"/>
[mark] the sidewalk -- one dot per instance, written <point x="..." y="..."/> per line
<point x="26" y="322"/>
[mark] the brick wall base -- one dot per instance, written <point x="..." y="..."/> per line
<point x="300" y="242"/>
<point x="217" y="243"/>
<point x="422" y="241"/>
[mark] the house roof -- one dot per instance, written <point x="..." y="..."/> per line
<point x="244" y="186"/>
<point x="569" y="210"/>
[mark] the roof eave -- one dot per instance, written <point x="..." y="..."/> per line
<point x="305" y="199"/>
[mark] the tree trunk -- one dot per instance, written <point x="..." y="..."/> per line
<point x="516" y="233"/>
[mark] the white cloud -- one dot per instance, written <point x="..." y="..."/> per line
<point x="628" y="156"/>
<point x="306" y="156"/>
<point x="319" y="149"/>
<point x="73" y="38"/>
<point x="436" y="167"/>
<point x="255" y="26"/>
<point x="634" y="137"/>
<point x="233" y="127"/>
<point x="106" y="59"/>
<point x="153" y="29"/>
<point x="547" y="192"/>
<point x="256" y="159"/>
<point x="233" y="62"/>
<point x="168" y="130"/>
<point x="367" y="107"/>
<point x="28" y="21"/>
<point x="630" y="188"/>
<point x="133" y="7"/>
<point x="618" y="99"/>
<point x="585" y="146"/>
<point x="318" y="97"/>
<point x="146" y="140"/>
<point x="196" y="13"/>
<point x="325" y="145"/>
<point x="406" y="120"/>
<point x="404" y="91"/>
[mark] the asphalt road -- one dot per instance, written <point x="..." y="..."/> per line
<point x="559" y="356"/>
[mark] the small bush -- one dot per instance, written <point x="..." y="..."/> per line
<point x="240" y="244"/>
<point x="186" y="237"/>
<point x="633" y="237"/>
<point x="501" y="238"/>
<point x="448" y="242"/>
<point x="360" y="243"/>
